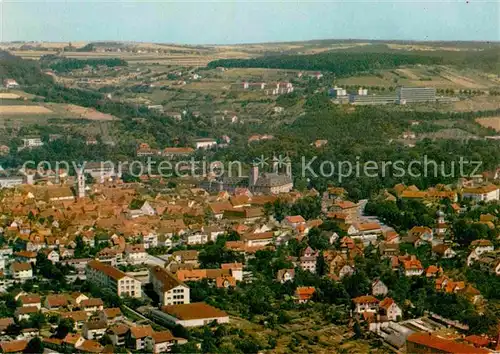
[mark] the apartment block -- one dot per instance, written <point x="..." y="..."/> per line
<point x="107" y="276"/>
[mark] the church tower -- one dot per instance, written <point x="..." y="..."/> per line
<point x="254" y="176"/>
<point x="288" y="167"/>
<point x="81" y="182"/>
<point x="275" y="164"/>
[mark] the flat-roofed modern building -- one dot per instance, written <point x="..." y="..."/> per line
<point x="372" y="99"/>
<point x="415" y="94"/>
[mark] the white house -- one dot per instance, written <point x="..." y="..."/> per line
<point x="412" y="267"/>
<point x="21" y="271"/>
<point x="285" y="275"/>
<point x="478" y="248"/>
<point x="389" y="308"/>
<point x="10" y="83"/>
<point x="365" y="303"/>
<point x="138" y="335"/>
<point x="94" y="329"/>
<point x="135" y="254"/>
<point x="236" y="270"/>
<point x="52" y="255"/>
<point x="444" y="251"/>
<point x="162" y="342"/>
<point x="379" y="288"/>
<point x="150" y="239"/>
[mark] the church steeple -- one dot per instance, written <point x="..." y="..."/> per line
<point x="81" y="182"/>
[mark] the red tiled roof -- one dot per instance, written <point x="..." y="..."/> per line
<point x="107" y="269"/>
<point x="367" y="299"/>
<point x="13" y="346"/>
<point x="295" y="219"/>
<point x="141" y="331"/>
<point x="193" y="311"/>
<point x="162" y="337"/>
<point x="443" y="345"/>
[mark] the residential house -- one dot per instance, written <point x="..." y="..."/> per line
<point x="118" y="334"/>
<point x="91" y="305"/>
<point x="366" y="303"/>
<point x="150" y="240"/>
<point x="479" y="247"/>
<point x="443" y="251"/>
<point x="52" y="255"/>
<point x="388" y="250"/>
<point x="419" y="235"/>
<point x="389" y="308"/>
<point x="304" y="293"/>
<point x="31" y="300"/>
<point x="236" y="270"/>
<point x="432" y="271"/>
<point x="308" y="260"/>
<point x="294" y="221"/>
<point x="490" y="262"/>
<point x="188" y="257"/>
<point x="55" y="302"/>
<point x="136" y="337"/>
<point x="285" y="275"/>
<point x="111" y="315"/>
<point x="136" y="254"/>
<point x="73" y="340"/>
<point x="79" y="317"/>
<point x="24" y="313"/>
<point x="379" y="288"/>
<point x="162" y="342"/>
<point x="21" y="271"/>
<point x="94" y="329"/>
<point x="412" y="267"/>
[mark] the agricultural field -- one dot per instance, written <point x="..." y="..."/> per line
<point x="26" y="110"/>
<point x="426" y="76"/>
<point x="492" y="122"/>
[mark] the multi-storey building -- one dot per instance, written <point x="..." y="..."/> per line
<point x="415" y="94"/>
<point x="109" y="277"/>
<point x="169" y="289"/>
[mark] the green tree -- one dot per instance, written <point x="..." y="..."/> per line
<point x="35" y="346"/>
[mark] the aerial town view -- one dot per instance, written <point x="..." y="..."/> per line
<point x="250" y="177"/>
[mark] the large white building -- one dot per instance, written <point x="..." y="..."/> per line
<point x="107" y="276"/>
<point x="482" y="194"/>
<point x="190" y="315"/>
<point x="31" y="142"/>
<point x="169" y="289"/>
<point x="205" y="143"/>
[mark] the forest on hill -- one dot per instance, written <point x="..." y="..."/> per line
<point x="366" y="59"/>
<point x="25" y="72"/>
<point x="64" y="65"/>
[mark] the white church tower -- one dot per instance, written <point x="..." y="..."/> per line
<point x="81" y="182"/>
